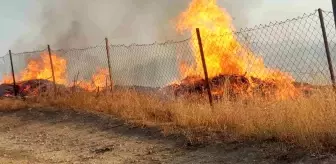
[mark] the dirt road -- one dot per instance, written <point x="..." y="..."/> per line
<point x="64" y="136"/>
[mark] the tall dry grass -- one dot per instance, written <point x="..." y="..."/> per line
<point x="12" y="104"/>
<point x="306" y="121"/>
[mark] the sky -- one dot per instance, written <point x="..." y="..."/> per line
<point x="13" y="24"/>
<point x="17" y="16"/>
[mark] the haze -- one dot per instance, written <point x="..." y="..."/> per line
<point x="31" y="24"/>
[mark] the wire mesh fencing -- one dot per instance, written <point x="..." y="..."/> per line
<point x="85" y="68"/>
<point x="295" y="46"/>
<point x="153" y="65"/>
<point x="5" y="67"/>
<point x="331" y="34"/>
<point x="292" y="50"/>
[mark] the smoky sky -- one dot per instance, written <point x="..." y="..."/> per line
<point x="66" y="24"/>
<point x="80" y="23"/>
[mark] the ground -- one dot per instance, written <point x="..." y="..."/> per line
<point x="67" y="136"/>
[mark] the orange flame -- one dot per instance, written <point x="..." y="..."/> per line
<point x="99" y="80"/>
<point x="7" y="79"/>
<point x="41" y="69"/>
<point x="223" y="53"/>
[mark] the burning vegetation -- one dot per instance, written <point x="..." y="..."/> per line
<point x="37" y="77"/>
<point x="231" y="66"/>
<point x="233" y="69"/>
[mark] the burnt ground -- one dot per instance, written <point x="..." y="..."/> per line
<point x="66" y="136"/>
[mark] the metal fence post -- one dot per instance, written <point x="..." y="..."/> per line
<point x="333" y="2"/>
<point x="13" y="73"/>
<point x="52" y="69"/>
<point x="326" y="45"/>
<point x="108" y="61"/>
<point x="204" y="66"/>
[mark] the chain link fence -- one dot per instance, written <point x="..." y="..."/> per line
<point x="331" y="33"/>
<point x="294" y="46"/>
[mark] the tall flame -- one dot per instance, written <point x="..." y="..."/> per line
<point x="41" y="69"/>
<point x="224" y="54"/>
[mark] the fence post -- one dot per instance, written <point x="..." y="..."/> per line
<point x="326" y="45"/>
<point x="52" y="69"/>
<point x="108" y="61"/>
<point x="204" y="66"/>
<point x="333" y="2"/>
<point x="13" y="73"/>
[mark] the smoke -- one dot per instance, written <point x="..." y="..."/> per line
<point x="66" y="24"/>
<point x="80" y="23"/>
<point x="241" y="10"/>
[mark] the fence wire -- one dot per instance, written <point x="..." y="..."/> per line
<point x="4" y="66"/>
<point x="331" y="33"/>
<point x="152" y="65"/>
<point x="83" y="64"/>
<point x="294" y="46"/>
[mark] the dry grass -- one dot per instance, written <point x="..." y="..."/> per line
<point x="308" y="122"/>
<point x="12" y="104"/>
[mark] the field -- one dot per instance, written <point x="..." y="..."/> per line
<point x="127" y="126"/>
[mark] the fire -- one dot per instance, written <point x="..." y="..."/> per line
<point x="41" y="69"/>
<point x="99" y="80"/>
<point x="7" y="79"/>
<point x="224" y="54"/>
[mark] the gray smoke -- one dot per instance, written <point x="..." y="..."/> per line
<point x="81" y="23"/>
<point x="240" y="10"/>
<point x="68" y="24"/>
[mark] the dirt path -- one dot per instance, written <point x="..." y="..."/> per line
<point x="50" y="136"/>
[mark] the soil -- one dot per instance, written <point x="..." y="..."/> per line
<point x="66" y="136"/>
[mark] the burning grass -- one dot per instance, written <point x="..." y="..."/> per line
<point x="307" y="121"/>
